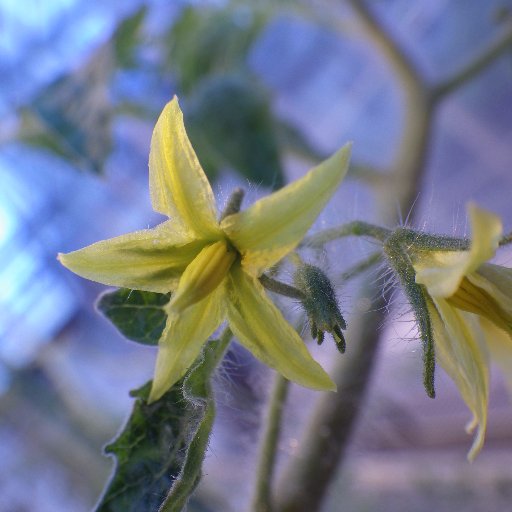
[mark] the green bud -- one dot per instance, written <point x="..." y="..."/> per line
<point x="320" y="304"/>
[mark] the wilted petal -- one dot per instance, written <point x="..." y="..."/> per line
<point x="274" y="225"/>
<point x="260" y="327"/>
<point x="182" y="339"/>
<point x="441" y="272"/>
<point x="179" y="188"/>
<point x="460" y="351"/>
<point x="151" y="259"/>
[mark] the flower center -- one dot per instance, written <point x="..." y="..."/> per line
<point x="203" y="275"/>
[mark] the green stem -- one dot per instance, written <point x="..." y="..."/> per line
<point x="180" y="491"/>
<point x="473" y="68"/>
<point x="427" y="242"/>
<point x="355" y="228"/>
<point x="262" y="501"/>
<point x="281" y="288"/>
<point x="224" y="341"/>
<point x="361" y="266"/>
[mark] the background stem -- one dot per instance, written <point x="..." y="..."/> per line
<point x="262" y="501"/>
<point x="306" y="479"/>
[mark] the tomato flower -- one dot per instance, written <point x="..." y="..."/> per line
<point x="471" y="312"/>
<point x="210" y="266"/>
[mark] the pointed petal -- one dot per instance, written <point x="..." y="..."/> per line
<point x="274" y="225"/>
<point x="178" y="186"/>
<point x="182" y="339"/>
<point x="151" y="259"/>
<point x="442" y="272"/>
<point x="460" y="351"/>
<point x="261" y="328"/>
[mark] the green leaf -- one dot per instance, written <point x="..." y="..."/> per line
<point x="72" y="116"/>
<point x="159" y="452"/>
<point x="230" y="123"/>
<point x="206" y="41"/>
<point x="140" y="316"/>
<point x="126" y="37"/>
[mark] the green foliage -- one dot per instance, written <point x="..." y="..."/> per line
<point x="140" y="316"/>
<point x="160" y="450"/>
<point x="126" y="38"/>
<point x="72" y="116"/>
<point x="204" y="41"/>
<point x="230" y="124"/>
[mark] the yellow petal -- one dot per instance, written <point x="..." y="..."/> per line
<point x="460" y="351"/>
<point x="150" y="259"/>
<point x="497" y="282"/>
<point x="441" y="272"/>
<point x="261" y="328"/>
<point x="182" y="339"/>
<point x="274" y="225"/>
<point x="500" y="348"/>
<point x="203" y="275"/>
<point x="178" y="185"/>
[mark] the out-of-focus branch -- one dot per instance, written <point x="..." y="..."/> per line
<point x="475" y="66"/>
<point x="308" y="476"/>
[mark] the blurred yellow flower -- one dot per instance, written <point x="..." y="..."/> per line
<point x="471" y="314"/>
<point x="212" y="267"/>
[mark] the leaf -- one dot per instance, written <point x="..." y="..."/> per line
<point x="159" y="452"/>
<point x="230" y="123"/>
<point x="72" y="116"/>
<point x="126" y="37"/>
<point x="139" y="316"/>
<point x="210" y="41"/>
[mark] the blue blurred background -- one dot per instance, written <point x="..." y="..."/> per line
<point x="82" y="83"/>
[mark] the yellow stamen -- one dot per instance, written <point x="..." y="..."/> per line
<point x="203" y="275"/>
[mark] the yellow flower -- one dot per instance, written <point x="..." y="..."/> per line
<point x="212" y="267"/>
<point x="471" y="314"/>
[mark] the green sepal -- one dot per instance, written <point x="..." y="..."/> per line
<point x="320" y="304"/>
<point x="160" y="450"/>
<point x="139" y="316"/>
<point x="400" y="262"/>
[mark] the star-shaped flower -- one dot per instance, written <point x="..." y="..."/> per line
<point x="211" y="267"/>
<point x="471" y="314"/>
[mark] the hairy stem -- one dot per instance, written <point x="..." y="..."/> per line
<point x="281" y="288"/>
<point x="360" y="267"/>
<point x="262" y="501"/>
<point x="355" y="228"/>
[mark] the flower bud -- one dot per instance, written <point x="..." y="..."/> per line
<point x="320" y="304"/>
